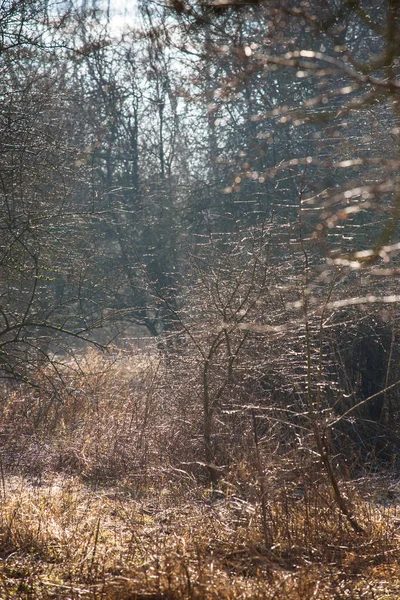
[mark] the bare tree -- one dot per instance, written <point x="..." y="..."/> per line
<point x="44" y="293"/>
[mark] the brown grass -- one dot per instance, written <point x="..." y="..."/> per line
<point x="96" y="502"/>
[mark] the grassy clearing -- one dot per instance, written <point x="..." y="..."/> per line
<point x="98" y="501"/>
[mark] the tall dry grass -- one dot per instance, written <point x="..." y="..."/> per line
<point x="103" y="495"/>
<point x="107" y="418"/>
<point x="66" y="540"/>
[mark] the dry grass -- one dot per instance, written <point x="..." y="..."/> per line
<point x="65" y="540"/>
<point x="95" y="503"/>
<point x="105" y="420"/>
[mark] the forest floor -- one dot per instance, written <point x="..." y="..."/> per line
<point x="103" y="496"/>
<point x="60" y="538"/>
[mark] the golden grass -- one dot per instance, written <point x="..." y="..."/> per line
<point x="96" y="504"/>
<point x="65" y="540"/>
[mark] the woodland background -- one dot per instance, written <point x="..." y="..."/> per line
<point x="199" y="299"/>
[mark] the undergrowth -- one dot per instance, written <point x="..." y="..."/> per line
<point x="102" y="497"/>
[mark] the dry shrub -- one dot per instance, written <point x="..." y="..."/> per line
<point x="120" y="507"/>
<point x="105" y="418"/>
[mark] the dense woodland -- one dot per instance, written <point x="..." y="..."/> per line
<point x="199" y="297"/>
